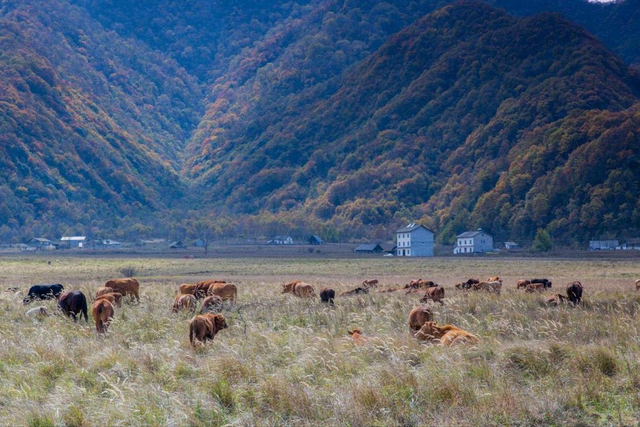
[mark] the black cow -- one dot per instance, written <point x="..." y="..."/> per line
<point x="545" y="282"/>
<point x="43" y="292"/>
<point x="73" y="303"/>
<point x="327" y="295"/>
<point x="574" y="292"/>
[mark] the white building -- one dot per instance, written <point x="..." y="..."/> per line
<point x="74" y="241"/>
<point x="414" y="240"/>
<point x="473" y="242"/>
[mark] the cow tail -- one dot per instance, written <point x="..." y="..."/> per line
<point x="191" y="334"/>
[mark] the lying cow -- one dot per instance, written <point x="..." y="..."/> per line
<point x="128" y="286"/>
<point x="115" y="298"/>
<point x="534" y="287"/>
<point x="436" y="294"/>
<point x="418" y="317"/>
<point x="40" y="311"/>
<point x="445" y="335"/>
<point x="556" y="300"/>
<point x="102" y="311"/>
<point x="522" y="283"/>
<point x="327" y="296"/>
<point x="299" y="289"/>
<point x="493" y="287"/>
<point x="468" y="284"/>
<point x="420" y="284"/>
<point x="357" y="336"/>
<point x="574" y="292"/>
<point x="184" y="302"/>
<point x="370" y="283"/>
<point x="637" y="284"/>
<point x="357" y="291"/>
<point x="546" y="282"/>
<point x="72" y="304"/>
<point x="212" y="303"/>
<point x="43" y="292"/>
<point x="204" y="327"/>
<point x="494" y="279"/>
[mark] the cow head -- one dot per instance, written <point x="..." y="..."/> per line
<point x="220" y="322"/>
<point x="287" y="288"/>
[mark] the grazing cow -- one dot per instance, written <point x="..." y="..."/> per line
<point x="445" y="335"/>
<point x="534" y="287"/>
<point x="494" y="279"/>
<point x="102" y="290"/>
<point x="102" y="311"/>
<point x="556" y="300"/>
<point x="637" y="284"/>
<point x="574" y="292"/>
<point x="370" y="283"/>
<point x="43" y="292"/>
<point x="204" y="287"/>
<point x="356" y="291"/>
<point x="418" y="317"/>
<point x="494" y="287"/>
<point x="420" y="284"/>
<point x="204" y="327"/>
<point x="436" y="294"/>
<point x="299" y="289"/>
<point x="187" y="289"/>
<point x="468" y="284"/>
<point x="226" y="291"/>
<point x="115" y="298"/>
<point x="72" y="304"/>
<point x="184" y="302"/>
<point x="327" y="296"/>
<point x="40" y="311"/>
<point x="522" y="283"/>
<point x="546" y="282"/>
<point x="212" y="303"/>
<point x="128" y="286"/>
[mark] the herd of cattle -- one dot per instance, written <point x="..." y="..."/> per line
<point x="213" y="293"/>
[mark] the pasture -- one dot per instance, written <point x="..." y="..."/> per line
<point x="285" y="361"/>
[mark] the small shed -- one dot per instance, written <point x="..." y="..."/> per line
<point x="40" y="244"/>
<point x="178" y="244"/>
<point x="603" y="245"/>
<point x="368" y="248"/>
<point x="73" y="241"/>
<point x="511" y="245"/>
<point x="281" y="240"/>
<point x="314" y="240"/>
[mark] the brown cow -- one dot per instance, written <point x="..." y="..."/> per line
<point x="299" y="289"/>
<point x="102" y="311"/>
<point x="204" y="327"/>
<point x="420" y="284"/>
<point x="103" y="290"/>
<point x="637" y="284"/>
<point x="357" y="336"/>
<point x="446" y="335"/>
<point x="436" y="294"/>
<point x="494" y="287"/>
<point x="114" y="298"/>
<point x="468" y="284"/>
<point x="327" y="296"/>
<point x="534" y="287"/>
<point x="418" y="317"/>
<point x="184" y="302"/>
<point x="356" y="291"/>
<point x="128" y="286"/>
<point x="204" y="287"/>
<point x="494" y="279"/>
<point x="574" y="292"/>
<point x="556" y="300"/>
<point x="211" y="303"/>
<point x="226" y="291"/>
<point x="522" y="283"/>
<point x="187" y="289"/>
<point x="370" y="283"/>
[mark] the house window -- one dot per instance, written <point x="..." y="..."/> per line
<point x="408" y="252"/>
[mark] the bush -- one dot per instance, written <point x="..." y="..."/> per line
<point x="128" y="271"/>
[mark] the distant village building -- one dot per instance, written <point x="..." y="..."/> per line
<point x="511" y="245"/>
<point x="281" y="240"/>
<point x="414" y="240"/>
<point x="473" y="242"/>
<point x="632" y="244"/>
<point x="603" y="245"/>
<point x="314" y="240"/>
<point x="179" y="244"/>
<point x="105" y="244"/>
<point x="369" y="249"/>
<point x="73" y="241"/>
<point x="39" y="244"/>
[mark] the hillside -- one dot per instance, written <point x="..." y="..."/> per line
<point x="422" y="128"/>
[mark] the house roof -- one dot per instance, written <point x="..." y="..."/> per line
<point x="511" y="243"/>
<point x="282" y="237"/>
<point x="411" y="227"/>
<point x="41" y="240"/>
<point x="73" y="238"/>
<point x="368" y="247"/>
<point x="316" y="238"/>
<point x="470" y="234"/>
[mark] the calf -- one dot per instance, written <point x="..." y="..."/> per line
<point x="327" y="296"/>
<point x="356" y="291"/>
<point x="574" y="292"/>
<point x="73" y="303"/>
<point x="418" y="317"/>
<point x="556" y="300"/>
<point x="357" y="336"/>
<point x="299" y="289"/>
<point x="184" y="302"/>
<point x="522" y="283"/>
<point x="212" y="303"/>
<point x="43" y="292"/>
<point x="226" y="291"/>
<point x="102" y="311"/>
<point x="494" y="287"/>
<point x="204" y="327"/>
<point x="114" y="298"/>
<point x="128" y="286"/>
<point x="534" y="287"/>
<point x="445" y="335"/>
<point x="370" y="283"/>
<point x="436" y="294"/>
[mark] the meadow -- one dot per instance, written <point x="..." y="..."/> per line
<point x="284" y="361"/>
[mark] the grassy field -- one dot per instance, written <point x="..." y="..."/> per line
<point x="286" y="361"/>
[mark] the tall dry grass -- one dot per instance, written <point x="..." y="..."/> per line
<point x="287" y="361"/>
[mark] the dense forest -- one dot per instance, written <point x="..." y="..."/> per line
<point x="344" y="119"/>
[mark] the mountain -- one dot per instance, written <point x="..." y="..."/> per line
<point x="340" y="118"/>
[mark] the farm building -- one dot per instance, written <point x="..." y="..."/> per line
<point x="414" y="240"/>
<point x="314" y="240"/>
<point x="511" y="245"/>
<point x="473" y="242"/>
<point x="73" y="241"/>
<point x="39" y="244"/>
<point x="179" y="244"/>
<point x="603" y="245"/>
<point x="281" y="240"/>
<point x="368" y="248"/>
